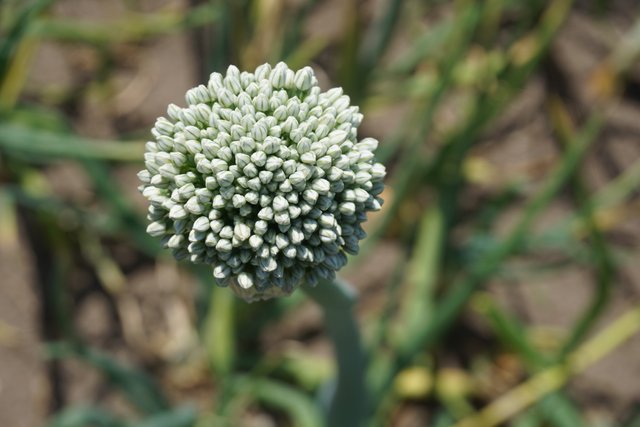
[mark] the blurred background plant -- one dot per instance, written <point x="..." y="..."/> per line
<point x="498" y="284"/>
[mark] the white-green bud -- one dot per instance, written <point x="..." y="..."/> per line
<point x="278" y="75"/>
<point x="164" y="126"/>
<point x="201" y="224"/>
<point x="245" y="280"/>
<point x="321" y="185"/>
<point x="176" y="241"/>
<point x="156" y="229"/>
<point x="273" y="163"/>
<point x="241" y="232"/>
<point x="262" y="72"/>
<point x="304" y="79"/>
<point x="280" y="204"/>
<point x="193" y="206"/>
<point x="221" y="271"/>
<point x="178" y="212"/>
<point x="309" y="158"/>
<point x="232" y="79"/>
<point x="261" y="176"/>
<point x="297" y="178"/>
<point x="266" y="213"/>
<point x="173" y="111"/>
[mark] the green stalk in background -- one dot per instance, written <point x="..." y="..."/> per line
<point x="460" y="292"/>
<point x="348" y="401"/>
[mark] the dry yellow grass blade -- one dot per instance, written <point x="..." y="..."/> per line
<point x="553" y="378"/>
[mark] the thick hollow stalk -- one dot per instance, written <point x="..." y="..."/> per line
<point x="347" y="406"/>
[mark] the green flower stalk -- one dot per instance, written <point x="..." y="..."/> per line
<point x="262" y="177"/>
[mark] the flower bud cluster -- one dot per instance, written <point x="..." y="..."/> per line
<point x="262" y="177"/>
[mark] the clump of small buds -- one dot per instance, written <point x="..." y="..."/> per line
<point x="262" y="177"/>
